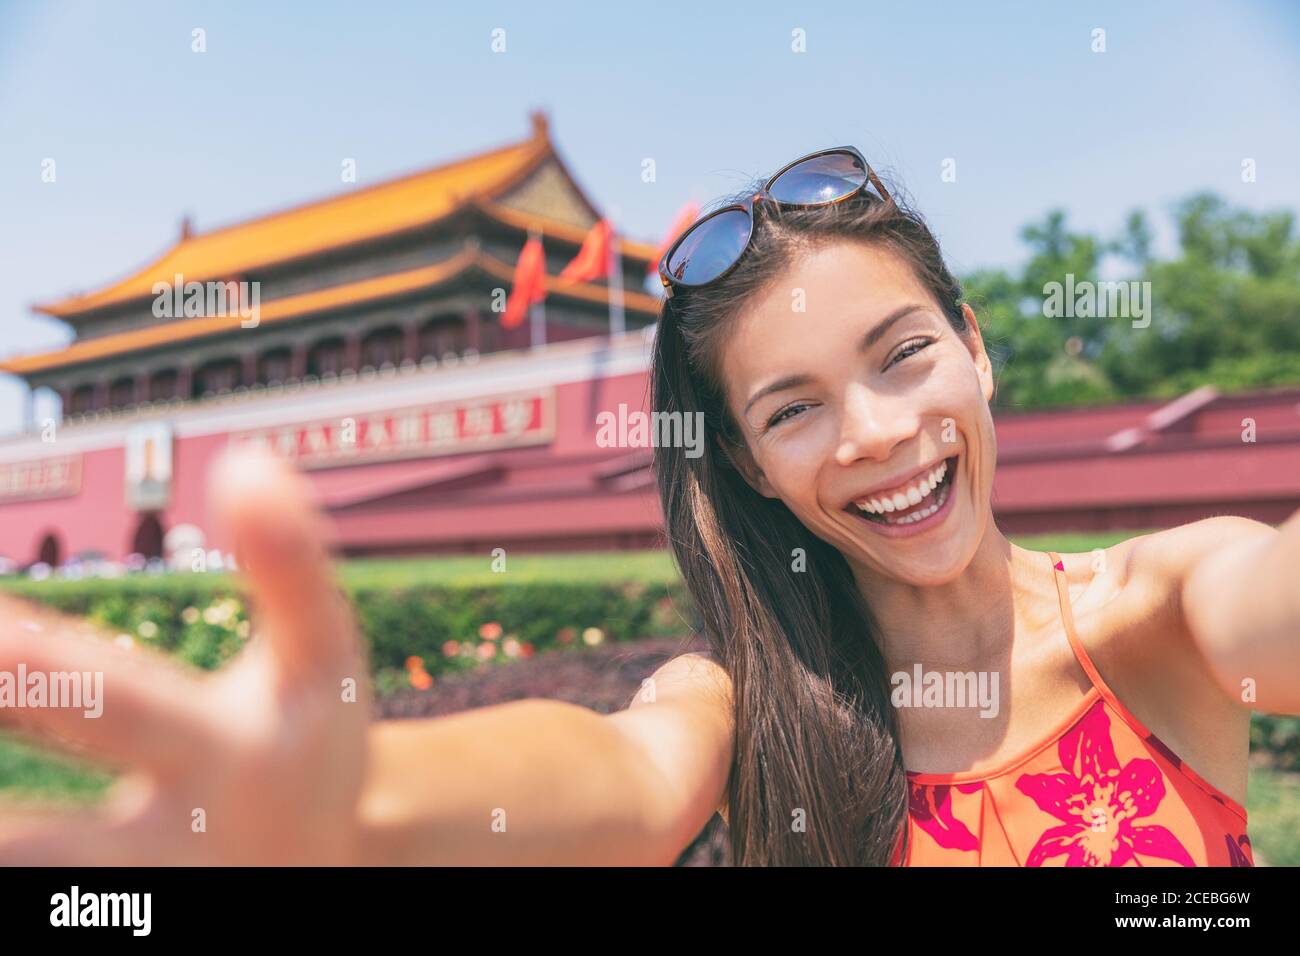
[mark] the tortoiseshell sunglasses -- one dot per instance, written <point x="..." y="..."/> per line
<point x="711" y="247"/>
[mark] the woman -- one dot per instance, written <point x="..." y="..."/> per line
<point x="837" y="538"/>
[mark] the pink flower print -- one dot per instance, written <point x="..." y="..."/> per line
<point x="931" y="809"/>
<point x="1095" y="789"/>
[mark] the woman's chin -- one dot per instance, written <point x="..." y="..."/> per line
<point x="928" y="570"/>
<point x="921" y="562"/>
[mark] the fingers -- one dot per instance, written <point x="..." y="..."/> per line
<point x="60" y="677"/>
<point x="280" y="543"/>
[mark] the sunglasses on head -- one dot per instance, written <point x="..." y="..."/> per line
<point x="711" y="247"/>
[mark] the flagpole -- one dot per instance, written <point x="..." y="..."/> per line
<point x="537" y="324"/>
<point x="617" y="319"/>
<point x="537" y="310"/>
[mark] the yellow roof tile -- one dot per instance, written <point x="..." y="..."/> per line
<point x="340" y="220"/>
<point x="353" y="293"/>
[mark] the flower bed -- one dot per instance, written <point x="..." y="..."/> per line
<point x="415" y="632"/>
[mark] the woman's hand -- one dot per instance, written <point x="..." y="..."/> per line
<point x="259" y="763"/>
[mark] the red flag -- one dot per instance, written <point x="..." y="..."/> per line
<point x="685" y="217"/>
<point x="592" y="260"/>
<point x="529" y="285"/>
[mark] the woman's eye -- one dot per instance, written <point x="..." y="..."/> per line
<point x="909" y="348"/>
<point x="784" y="414"/>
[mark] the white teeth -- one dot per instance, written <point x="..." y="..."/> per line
<point x="908" y="498"/>
<point x="923" y="513"/>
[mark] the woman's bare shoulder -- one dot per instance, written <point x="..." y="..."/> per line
<point x="691" y="672"/>
<point x="1165" y="558"/>
<point x="1141" y="577"/>
<point x="682" y="717"/>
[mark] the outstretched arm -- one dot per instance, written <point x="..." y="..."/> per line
<point x="274" y="760"/>
<point x="1241" y="600"/>
<point x="546" y="782"/>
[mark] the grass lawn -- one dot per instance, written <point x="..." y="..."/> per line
<point x="27" y="771"/>
<point x="1273" y="816"/>
<point x="650" y="566"/>
<point x="653" y="566"/>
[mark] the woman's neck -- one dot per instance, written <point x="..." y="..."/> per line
<point x="966" y="623"/>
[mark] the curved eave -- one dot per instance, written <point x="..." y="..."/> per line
<point x="308" y="241"/>
<point x="364" y="292"/>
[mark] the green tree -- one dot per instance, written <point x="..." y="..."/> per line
<point x="1225" y="311"/>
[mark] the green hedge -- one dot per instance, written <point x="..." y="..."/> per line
<point x="204" y="620"/>
<point x="1279" y="737"/>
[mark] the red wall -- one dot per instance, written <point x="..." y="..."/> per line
<point x="551" y="497"/>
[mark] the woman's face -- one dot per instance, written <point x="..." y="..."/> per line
<point x="865" y="412"/>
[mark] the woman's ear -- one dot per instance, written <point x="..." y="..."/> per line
<point x="975" y="344"/>
<point x="737" y="455"/>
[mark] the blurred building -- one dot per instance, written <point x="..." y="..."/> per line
<point x="1150" y="464"/>
<point x="377" y="360"/>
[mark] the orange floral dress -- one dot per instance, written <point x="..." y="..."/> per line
<point x="1100" y="790"/>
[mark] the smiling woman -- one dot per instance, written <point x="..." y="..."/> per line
<point x="772" y="382"/>
<point x="839" y="528"/>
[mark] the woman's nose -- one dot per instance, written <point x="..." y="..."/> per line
<point x="871" y="426"/>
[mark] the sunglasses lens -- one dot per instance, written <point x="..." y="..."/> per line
<point x="710" y="248"/>
<point x="819" y="180"/>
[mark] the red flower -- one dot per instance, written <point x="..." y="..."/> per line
<point x="1093" y="789"/>
<point x="931" y="809"/>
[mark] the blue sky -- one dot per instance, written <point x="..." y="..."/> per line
<point x="143" y="130"/>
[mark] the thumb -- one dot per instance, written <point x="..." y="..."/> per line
<point x="280" y="541"/>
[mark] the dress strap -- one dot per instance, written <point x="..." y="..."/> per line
<point x="1103" y="689"/>
<point x="1067" y="618"/>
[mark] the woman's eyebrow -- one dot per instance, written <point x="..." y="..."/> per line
<point x="882" y="327"/>
<point x="874" y="335"/>
<point x="788" y="381"/>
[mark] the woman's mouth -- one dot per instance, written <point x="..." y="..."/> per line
<point x="918" y="506"/>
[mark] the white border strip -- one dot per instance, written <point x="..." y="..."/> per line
<point x="579" y="360"/>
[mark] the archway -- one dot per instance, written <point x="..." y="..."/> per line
<point x="148" y="539"/>
<point x="50" y="552"/>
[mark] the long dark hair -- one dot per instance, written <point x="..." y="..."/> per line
<point x="818" y="775"/>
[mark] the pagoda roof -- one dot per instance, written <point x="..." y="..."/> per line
<point x="364" y="291"/>
<point x="362" y="215"/>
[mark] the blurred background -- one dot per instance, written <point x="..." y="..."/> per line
<point x="411" y="249"/>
